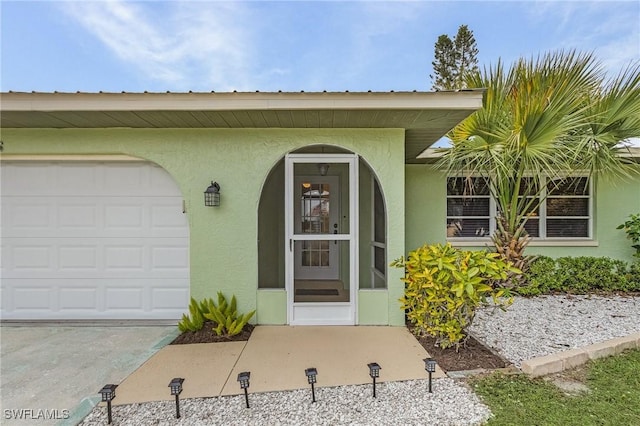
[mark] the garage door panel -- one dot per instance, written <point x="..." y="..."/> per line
<point x="73" y="299"/>
<point x="33" y="258"/>
<point x="95" y="258"/>
<point x="172" y="297"/>
<point x="30" y="215"/>
<point x="27" y="177"/>
<point x="92" y="240"/>
<point x="115" y="217"/>
<point x="82" y="298"/>
<point x="32" y="298"/>
<point x="129" y="297"/>
<point x="77" y="179"/>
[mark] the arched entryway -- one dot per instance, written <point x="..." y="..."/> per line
<point x="321" y="234"/>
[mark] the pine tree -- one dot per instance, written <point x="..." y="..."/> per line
<point x="454" y="60"/>
<point x="466" y="55"/>
<point x="444" y="63"/>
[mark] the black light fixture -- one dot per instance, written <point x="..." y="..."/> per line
<point x="430" y="366"/>
<point x="176" y="389"/>
<point x="374" y="372"/>
<point x="243" y="378"/>
<point x="311" y="374"/>
<point x="212" y="195"/>
<point x="108" y="393"/>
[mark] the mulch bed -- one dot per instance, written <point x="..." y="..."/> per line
<point x="471" y="356"/>
<point x="207" y="335"/>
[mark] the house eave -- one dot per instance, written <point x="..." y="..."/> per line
<point x="425" y="116"/>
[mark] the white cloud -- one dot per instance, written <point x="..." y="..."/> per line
<point x="611" y="29"/>
<point x="186" y="45"/>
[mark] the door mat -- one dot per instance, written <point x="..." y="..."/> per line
<point x="317" y="292"/>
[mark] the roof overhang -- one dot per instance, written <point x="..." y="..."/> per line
<point x="425" y="116"/>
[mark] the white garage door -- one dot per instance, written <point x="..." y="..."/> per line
<point x="92" y="240"/>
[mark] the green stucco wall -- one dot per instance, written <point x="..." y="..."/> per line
<point x="613" y="202"/>
<point x="223" y="240"/>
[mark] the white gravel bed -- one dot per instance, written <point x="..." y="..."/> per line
<point x="397" y="403"/>
<point x="529" y="328"/>
<point x="543" y="325"/>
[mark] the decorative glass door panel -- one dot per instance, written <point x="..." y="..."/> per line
<point x="317" y="213"/>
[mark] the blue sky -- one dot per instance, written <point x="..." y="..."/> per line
<point x="290" y="45"/>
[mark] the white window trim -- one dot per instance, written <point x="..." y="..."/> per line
<point x="541" y="240"/>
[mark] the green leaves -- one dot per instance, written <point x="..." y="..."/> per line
<point x="444" y="286"/>
<point x="553" y="115"/>
<point x="195" y="321"/>
<point x="632" y="228"/>
<point x="224" y="314"/>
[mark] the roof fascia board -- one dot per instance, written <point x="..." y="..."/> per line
<point x="51" y="102"/>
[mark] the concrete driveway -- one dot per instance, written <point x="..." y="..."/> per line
<point x="51" y="375"/>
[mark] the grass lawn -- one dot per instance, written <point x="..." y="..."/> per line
<point x="612" y="398"/>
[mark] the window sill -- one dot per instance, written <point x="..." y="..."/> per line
<point x="534" y="243"/>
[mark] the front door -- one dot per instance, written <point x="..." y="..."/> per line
<point x="316" y="211"/>
<point x="321" y="244"/>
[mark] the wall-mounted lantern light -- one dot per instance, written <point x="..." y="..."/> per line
<point x="374" y="372"/>
<point x="243" y="379"/>
<point x="430" y="366"/>
<point x="108" y="393"/>
<point x="212" y="195"/>
<point x="311" y="374"/>
<point x="323" y="168"/>
<point x="176" y="389"/>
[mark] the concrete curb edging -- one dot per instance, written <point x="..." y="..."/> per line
<point x="555" y="363"/>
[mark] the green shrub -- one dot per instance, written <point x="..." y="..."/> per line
<point x="194" y="321"/>
<point x="225" y="315"/>
<point x="580" y="275"/>
<point x="632" y="228"/>
<point x="444" y="286"/>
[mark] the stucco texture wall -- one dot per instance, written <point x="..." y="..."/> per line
<point x="223" y="240"/>
<point x="613" y="202"/>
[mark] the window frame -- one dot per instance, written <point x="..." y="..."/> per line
<point x="542" y="216"/>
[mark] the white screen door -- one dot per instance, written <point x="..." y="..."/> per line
<point x="321" y="240"/>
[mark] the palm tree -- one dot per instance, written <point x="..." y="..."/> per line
<point x="541" y="121"/>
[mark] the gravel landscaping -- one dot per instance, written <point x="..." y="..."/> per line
<point x="398" y="403"/>
<point x="543" y="325"/>
<point x="529" y="328"/>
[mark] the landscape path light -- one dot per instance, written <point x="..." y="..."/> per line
<point x="311" y="374"/>
<point x="430" y="366"/>
<point x="108" y="393"/>
<point x="176" y="389"/>
<point x="243" y="378"/>
<point x="374" y="373"/>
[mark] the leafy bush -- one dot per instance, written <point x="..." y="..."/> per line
<point x="632" y="228"/>
<point x="444" y="287"/>
<point x="580" y="275"/>
<point x="228" y="322"/>
<point x="194" y="321"/>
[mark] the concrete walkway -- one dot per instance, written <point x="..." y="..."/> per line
<point x="277" y="356"/>
<point x="54" y="372"/>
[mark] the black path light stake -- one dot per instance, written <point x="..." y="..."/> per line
<point x="430" y="366"/>
<point x="311" y="378"/>
<point x="374" y="372"/>
<point x="176" y="389"/>
<point x="243" y="378"/>
<point x="108" y="393"/>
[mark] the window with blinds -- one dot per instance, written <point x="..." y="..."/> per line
<point x="566" y="210"/>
